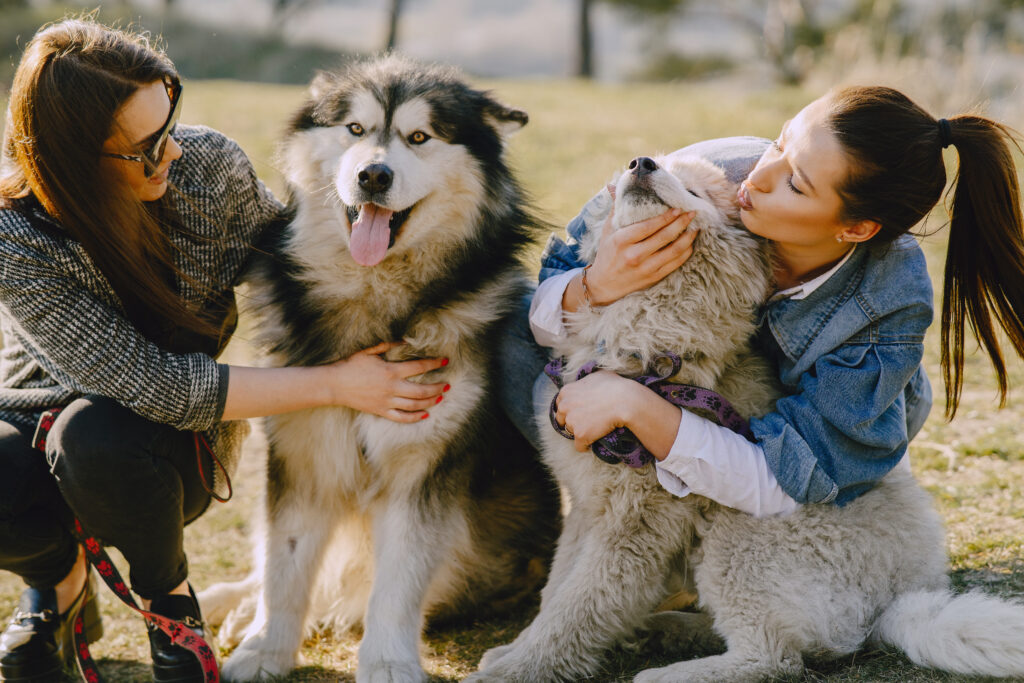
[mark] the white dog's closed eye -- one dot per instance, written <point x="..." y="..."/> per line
<point x="649" y="186"/>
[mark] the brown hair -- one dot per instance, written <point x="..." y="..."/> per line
<point x="897" y="177"/>
<point x="71" y="81"/>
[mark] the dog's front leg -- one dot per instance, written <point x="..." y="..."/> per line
<point x="615" y="580"/>
<point x="298" y="528"/>
<point x="411" y="538"/>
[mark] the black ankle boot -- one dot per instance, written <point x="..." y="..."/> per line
<point x="38" y="643"/>
<point x="173" y="663"/>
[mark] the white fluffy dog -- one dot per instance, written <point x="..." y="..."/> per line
<point x="824" y="580"/>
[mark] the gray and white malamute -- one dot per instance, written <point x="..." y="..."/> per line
<point x="406" y="225"/>
<point x="823" y="580"/>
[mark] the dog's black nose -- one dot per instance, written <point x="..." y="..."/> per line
<point x="376" y="178"/>
<point x="642" y="166"/>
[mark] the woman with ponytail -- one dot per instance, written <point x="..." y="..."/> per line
<point x="122" y="236"/>
<point x="836" y="193"/>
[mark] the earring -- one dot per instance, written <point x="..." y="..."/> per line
<point x="839" y="238"/>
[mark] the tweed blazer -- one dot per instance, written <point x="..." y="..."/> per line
<point x="64" y="329"/>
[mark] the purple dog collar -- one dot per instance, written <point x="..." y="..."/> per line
<point x="621" y="445"/>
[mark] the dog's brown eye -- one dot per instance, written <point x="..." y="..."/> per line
<point x="355" y="129"/>
<point x="418" y="137"/>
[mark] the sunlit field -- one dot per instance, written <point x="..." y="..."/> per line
<point x="578" y="135"/>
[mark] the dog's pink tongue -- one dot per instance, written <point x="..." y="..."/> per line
<point x="371" y="234"/>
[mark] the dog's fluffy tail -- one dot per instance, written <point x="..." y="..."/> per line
<point x="971" y="633"/>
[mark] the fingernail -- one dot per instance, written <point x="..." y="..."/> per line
<point x="444" y="362"/>
<point x="425" y="416"/>
<point x="676" y="211"/>
<point x="438" y="399"/>
<point x="691" y="214"/>
<point x="447" y="387"/>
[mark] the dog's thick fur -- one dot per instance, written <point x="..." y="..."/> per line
<point x="370" y="521"/>
<point x="824" y="580"/>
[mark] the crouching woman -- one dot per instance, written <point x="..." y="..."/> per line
<point x="122" y="236"/>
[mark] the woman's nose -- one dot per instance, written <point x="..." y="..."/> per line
<point x="173" y="149"/>
<point x="760" y="177"/>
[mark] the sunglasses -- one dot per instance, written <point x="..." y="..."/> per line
<point x="152" y="157"/>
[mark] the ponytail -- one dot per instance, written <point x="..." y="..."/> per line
<point x="984" y="272"/>
<point x="897" y="176"/>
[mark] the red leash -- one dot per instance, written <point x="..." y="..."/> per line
<point x="179" y="633"/>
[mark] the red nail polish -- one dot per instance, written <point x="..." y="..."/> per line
<point x="425" y="416"/>
<point x="438" y="399"/>
<point x="444" y="362"/>
<point x="447" y="387"/>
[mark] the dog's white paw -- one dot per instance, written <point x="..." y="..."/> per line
<point x="390" y="672"/>
<point x="492" y="656"/>
<point x="218" y="601"/>
<point x="510" y="669"/>
<point x="233" y="628"/>
<point x="251" y="662"/>
<point x="662" y="675"/>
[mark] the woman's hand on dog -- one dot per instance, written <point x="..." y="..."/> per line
<point x="637" y="256"/>
<point x="366" y="382"/>
<point x="603" y="400"/>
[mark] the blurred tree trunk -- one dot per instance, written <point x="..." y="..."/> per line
<point x="396" y="11"/>
<point x="584" y="65"/>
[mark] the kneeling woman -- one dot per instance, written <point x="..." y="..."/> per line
<point x="121" y="238"/>
<point x="836" y="194"/>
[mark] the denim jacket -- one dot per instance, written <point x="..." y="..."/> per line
<point x="848" y="355"/>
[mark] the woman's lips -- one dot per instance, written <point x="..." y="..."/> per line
<point x="743" y="198"/>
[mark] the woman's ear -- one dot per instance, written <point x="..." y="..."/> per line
<point x="861" y="231"/>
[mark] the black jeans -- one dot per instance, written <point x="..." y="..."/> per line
<point x="133" y="483"/>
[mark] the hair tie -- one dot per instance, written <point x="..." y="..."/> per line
<point x="945" y="133"/>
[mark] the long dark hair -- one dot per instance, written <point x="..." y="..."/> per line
<point x="69" y="85"/>
<point x="897" y="176"/>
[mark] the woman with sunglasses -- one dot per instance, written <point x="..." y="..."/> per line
<point x="122" y="236"/>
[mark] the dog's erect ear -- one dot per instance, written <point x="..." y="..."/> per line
<point x="504" y="120"/>
<point x="322" y="83"/>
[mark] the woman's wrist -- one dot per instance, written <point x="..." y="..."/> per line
<point x="652" y="419"/>
<point x="593" y="288"/>
<point x="572" y="297"/>
<point x="322" y="390"/>
<point x="585" y="290"/>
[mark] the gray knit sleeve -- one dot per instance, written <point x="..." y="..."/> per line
<point x="85" y="343"/>
<point x="225" y="199"/>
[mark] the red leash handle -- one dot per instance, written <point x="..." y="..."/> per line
<point x="179" y="633"/>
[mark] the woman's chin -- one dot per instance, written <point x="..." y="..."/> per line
<point x="153" y="189"/>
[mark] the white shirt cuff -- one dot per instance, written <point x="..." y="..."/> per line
<point x="719" y="464"/>
<point x="546" y="308"/>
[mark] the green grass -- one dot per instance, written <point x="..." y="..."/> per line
<point x="579" y="133"/>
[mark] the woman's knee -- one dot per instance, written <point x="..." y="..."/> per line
<point x="94" y="435"/>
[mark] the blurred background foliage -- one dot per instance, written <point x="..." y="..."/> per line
<point x="198" y="51"/>
<point x="973" y="46"/>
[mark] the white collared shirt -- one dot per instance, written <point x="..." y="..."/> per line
<point x="805" y="289"/>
